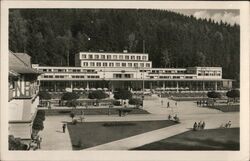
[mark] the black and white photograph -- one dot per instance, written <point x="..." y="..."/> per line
<point x="131" y="79"/>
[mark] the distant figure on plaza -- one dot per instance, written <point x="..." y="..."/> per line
<point x="203" y="125"/>
<point x="169" y="117"/>
<point x="168" y="105"/>
<point x="162" y="102"/>
<point x="228" y="125"/>
<point x="176" y="118"/>
<point x="195" y="126"/>
<point x="63" y="127"/>
<point x="176" y="103"/>
<point x="199" y="125"/>
<point x="39" y="140"/>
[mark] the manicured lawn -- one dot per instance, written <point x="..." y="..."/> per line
<point x="92" y="111"/>
<point x="228" y="108"/>
<point x="89" y="134"/>
<point x="214" y="139"/>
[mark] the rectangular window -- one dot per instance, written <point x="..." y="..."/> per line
<point x="141" y="64"/>
<point x="108" y="56"/>
<point x="114" y="56"/>
<point x="144" y="57"/>
<point x="98" y="64"/>
<point x="123" y="64"/>
<point x="85" y="64"/>
<point x="102" y="56"/>
<point x="96" y="56"/>
<point x="127" y="57"/>
<point x="90" y="56"/>
<point x="120" y="57"/>
<point x="129" y="64"/>
<point x="105" y="64"/>
<point x="138" y="57"/>
<point x="132" y="57"/>
<point x="44" y="70"/>
<point x="148" y="65"/>
<point x="117" y="64"/>
<point x="84" y="56"/>
<point x="135" y="64"/>
<point x="92" y="64"/>
<point x="111" y="64"/>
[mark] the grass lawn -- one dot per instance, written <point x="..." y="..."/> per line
<point x="228" y="108"/>
<point x="91" y="111"/>
<point x="213" y="139"/>
<point x="89" y="134"/>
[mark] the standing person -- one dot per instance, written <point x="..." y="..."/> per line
<point x="63" y="127"/>
<point x="169" y="117"/>
<point x="162" y="102"/>
<point x="39" y="140"/>
<point x="229" y="124"/>
<point x="197" y="103"/>
<point x="199" y="125"/>
<point x="168" y="105"/>
<point x="203" y="125"/>
<point x="195" y="126"/>
<point x="176" y="103"/>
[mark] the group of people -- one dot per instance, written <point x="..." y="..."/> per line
<point x="227" y="125"/>
<point x="202" y="103"/>
<point x="175" y="118"/>
<point x="199" y="126"/>
<point x="35" y="142"/>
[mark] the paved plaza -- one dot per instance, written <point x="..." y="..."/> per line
<point x="187" y="111"/>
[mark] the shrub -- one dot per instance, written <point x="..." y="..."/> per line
<point x="233" y="94"/>
<point x="97" y="95"/>
<point x="38" y="121"/>
<point x="135" y="101"/>
<point x="70" y="96"/>
<point x="123" y="94"/>
<point x="71" y="103"/>
<point x="43" y="95"/>
<point x="16" y="144"/>
<point x="74" y="122"/>
<point x="72" y="115"/>
<point x="116" y="103"/>
<point x="213" y="94"/>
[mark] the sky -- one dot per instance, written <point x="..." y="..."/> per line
<point x="229" y="16"/>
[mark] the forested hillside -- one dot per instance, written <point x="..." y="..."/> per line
<point x="171" y="39"/>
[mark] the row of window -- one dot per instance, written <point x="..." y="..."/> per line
<point x="114" y="64"/>
<point x="168" y="71"/>
<point x="73" y="76"/>
<point x="209" y="74"/>
<point x="174" y="77"/>
<point x="67" y="70"/>
<point x="113" y="57"/>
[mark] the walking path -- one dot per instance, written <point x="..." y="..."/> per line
<point x="188" y="112"/>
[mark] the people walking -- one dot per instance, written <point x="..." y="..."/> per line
<point x="63" y="127"/>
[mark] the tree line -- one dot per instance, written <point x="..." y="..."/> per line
<point x="54" y="36"/>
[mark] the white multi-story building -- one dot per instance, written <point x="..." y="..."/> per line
<point x="132" y="71"/>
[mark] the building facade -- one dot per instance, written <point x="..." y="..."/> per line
<point x="132" y="71"/>
<point x="23" y="95"/>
